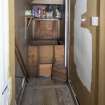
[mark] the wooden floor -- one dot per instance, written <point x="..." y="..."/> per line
<point x="46" y="92"/>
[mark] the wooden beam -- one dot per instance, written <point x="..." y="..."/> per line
<point x="21" y="62"/>
<point x="101" y="94"/>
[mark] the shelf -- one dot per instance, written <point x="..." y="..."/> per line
<point x="59" y="2"/>
<point x="52" y="19"/>
<point x="46" y="42"/>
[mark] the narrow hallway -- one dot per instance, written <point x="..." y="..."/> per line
<point x="55" y="41"/>
<point x="52" y="52"/>
<point x="46" y="92"/>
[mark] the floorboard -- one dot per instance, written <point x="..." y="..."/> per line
<point x="46" y="92"/>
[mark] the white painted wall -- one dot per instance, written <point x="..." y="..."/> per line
<point x="4" y="53"/>
<point x="82" y="46"/>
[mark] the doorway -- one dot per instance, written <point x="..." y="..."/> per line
<point x="87" y="96"/>
<point x="41" y="50"/>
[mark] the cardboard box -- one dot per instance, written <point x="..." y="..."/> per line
<point x="45" y="70"/>
<point x="32" y="55"/>
<point x="46" y="54"/>
<point x="59" y="54"/>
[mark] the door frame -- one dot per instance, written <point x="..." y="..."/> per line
<point x="101" y="69"/>
<point x="12" y="48"/>
<point x="67" y="35"/>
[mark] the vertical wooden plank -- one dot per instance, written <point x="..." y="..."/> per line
<point x="101" y="86"/>
<point x="12" y="48"/>
<point x="33" y="60"/>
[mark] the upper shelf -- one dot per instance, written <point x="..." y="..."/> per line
<point x="53" y="19"/>
<point x="59" y="2"/>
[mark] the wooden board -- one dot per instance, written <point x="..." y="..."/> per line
<point x="48" y="2"/>
<point x="32" y="61"/>
<point x="46" y="54"/>
<point x="45" y="29"/>
<point x="33" y="71"/>
<point x="32" y="55"/>
<point x="59" y="72"/>
<point x="101" y="70"/>
<point x="47" y="92"/>
<point x="45" y="70"/>
<point x="59" y="54"/>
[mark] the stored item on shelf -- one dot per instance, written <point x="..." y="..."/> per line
<point x="38" y="10"/>
<point x="44" y="13"/>
<point x="28" y="13"/>
<point x="58" y="14"/>
<point x="47" y="11"/>
<point x="49" y="14"/>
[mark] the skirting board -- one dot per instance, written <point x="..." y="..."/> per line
<point x="22" y="91"/>
<point x="73" y="93"/>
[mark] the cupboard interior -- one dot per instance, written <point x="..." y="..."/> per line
<point x="46" y="41"/>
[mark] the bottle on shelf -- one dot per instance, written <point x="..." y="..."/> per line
<point x="44" y="13"/>
<point x="49" y="13"/>
<point x="58" y="14"/>
<point x="28" y="12"/>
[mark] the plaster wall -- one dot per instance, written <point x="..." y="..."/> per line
<point x="82" y="46"/>
<point x="21" y="38"/>
<point x="21" y="41"/>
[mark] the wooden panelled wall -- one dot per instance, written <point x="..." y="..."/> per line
<point x="46" y="61"/>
